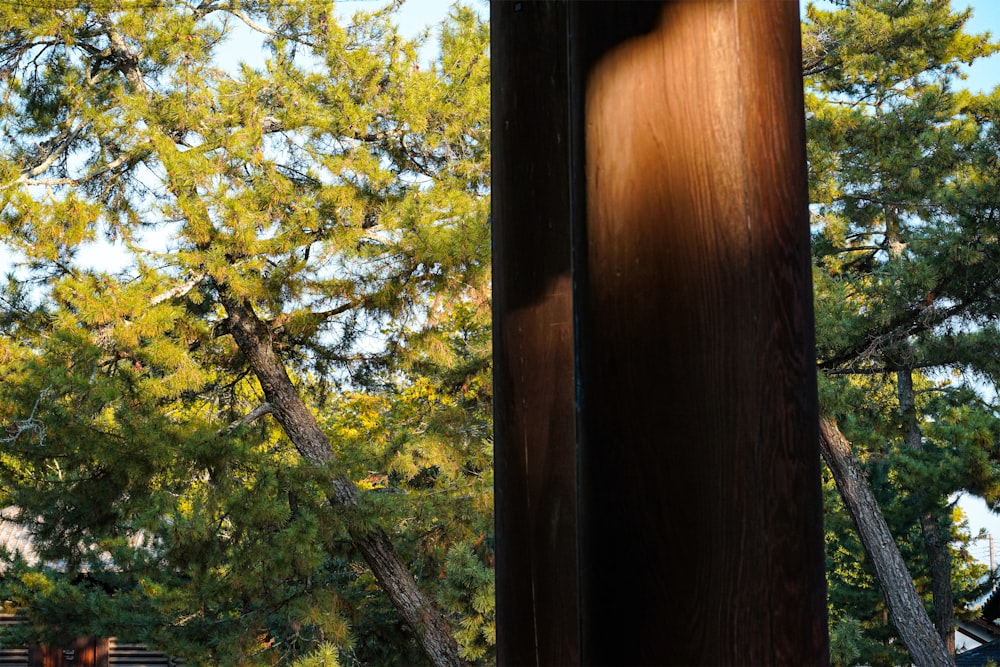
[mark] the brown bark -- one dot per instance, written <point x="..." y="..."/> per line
<point x="418" y="611"/>
<point x="905" y="608"/>
<point x="934" y="533"/>
<point x="939" y="564"/>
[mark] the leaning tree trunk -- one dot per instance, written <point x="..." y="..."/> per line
<point x="934" y="533"/>
<point x="254" y="339"/>
<point x="905" y="608"/>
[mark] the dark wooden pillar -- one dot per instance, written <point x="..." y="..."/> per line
<point x="700" y="499"/>
<point x="671" y="138"/>
<point x="535" y="462"/>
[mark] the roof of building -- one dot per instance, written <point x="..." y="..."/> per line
<point x="991" y="608"/>
<point x="979" y="629"/>
<point x="980" y="656"/>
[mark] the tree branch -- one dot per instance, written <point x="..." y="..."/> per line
<point x="62" y="144"/>
<point x="177" y="290"/>
<point x="253" y="25"/>
<point x="914" y="321"/>
<point x="18" y="428"/>
<point x="249" y="418"/>
<point x="114" y="164"/>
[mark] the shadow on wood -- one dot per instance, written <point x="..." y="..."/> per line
<point x="657" y="462"/>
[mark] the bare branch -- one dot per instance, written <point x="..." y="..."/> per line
<point x="262" y="29"/>
<point x="249" y="418"/>
<point x="48" y="182"/>
<point x="18" y="428"/>
<point x="177" y="290"/>
<point x="62" y="143"/>
<point x="333" y="312"/>
<point x="45" y="182"/>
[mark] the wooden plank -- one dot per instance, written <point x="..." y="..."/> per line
<point x="130" y="654"/>
<point x="14" y="657"/>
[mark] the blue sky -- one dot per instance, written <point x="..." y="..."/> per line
<point x="984" y="75"/>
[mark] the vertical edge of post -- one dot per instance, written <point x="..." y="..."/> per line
<point x="102" y="651"/>
<point x="775" y="146"/>
<point x="534" y="411"/>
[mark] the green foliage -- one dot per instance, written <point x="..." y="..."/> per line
<point x="845" y="642"/>
<point x="324" y="656"/>
<point x="902" y="166"/>
<point x="470" y="591"/>
<point x="342" y="188"/>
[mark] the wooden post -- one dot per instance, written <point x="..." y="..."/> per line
<point x="535" y="461"/>
<point x="83" y="652"/>
<point x="697" y="515"/>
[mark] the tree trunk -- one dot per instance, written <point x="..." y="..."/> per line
<point x="905" y="608"/>
<point x="254" y="339"/>
<point x="934" y="533"/>
<point x="939" y="563"/>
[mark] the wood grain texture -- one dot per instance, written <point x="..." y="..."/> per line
<point x="700" y="516"/>
<point x="535" y="454"/>
<point x="655" y="406"/>
<point x="82" y="652"/>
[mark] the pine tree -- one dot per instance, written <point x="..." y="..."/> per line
<point x="901" y="161"/>
<point x="288" y="379"/>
